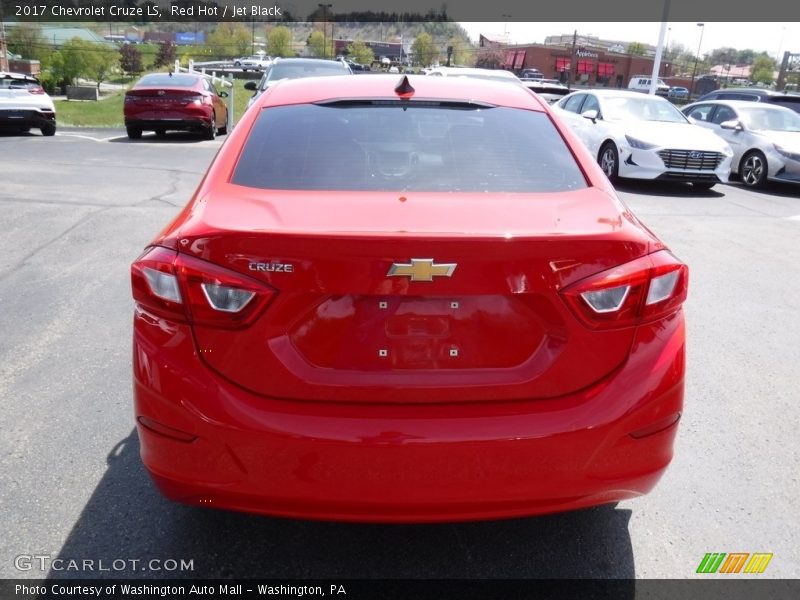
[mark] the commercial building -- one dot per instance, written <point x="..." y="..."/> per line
<point x="593" y="66"/>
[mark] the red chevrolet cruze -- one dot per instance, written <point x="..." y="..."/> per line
<point x="406" y="299"/>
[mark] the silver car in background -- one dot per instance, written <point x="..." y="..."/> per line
<point x="295" y="68"/>
<point x="765" y="138"/>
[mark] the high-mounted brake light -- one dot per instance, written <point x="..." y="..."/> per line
<point x="183" y="288"/>
<point x="646" y="289"/>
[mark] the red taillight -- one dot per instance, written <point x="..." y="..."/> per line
<point x="648" y="288"/>
<point x="184" y="288"/>
<point x="36" y="90"/>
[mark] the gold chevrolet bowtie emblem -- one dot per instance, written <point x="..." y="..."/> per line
<point x="421" y="269"/>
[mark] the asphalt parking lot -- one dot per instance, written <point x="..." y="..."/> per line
<point x="78" y="208"/>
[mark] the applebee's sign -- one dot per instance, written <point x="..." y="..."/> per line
<point x="584" y="53"/>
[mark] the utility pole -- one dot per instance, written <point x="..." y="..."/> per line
<point x="325" y="8"/>
<point x="572" y="64"/>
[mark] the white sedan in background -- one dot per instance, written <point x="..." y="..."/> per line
<point x="645" y="137"/>
<point x="765" y="138"/>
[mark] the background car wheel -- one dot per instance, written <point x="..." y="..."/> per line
<point x="609" y="160"/>
<point x="223" y="130"/>
<point x="48" y="129"/>
<point x="134" y="133"/>
<point x="237" y="63"/>
<point x="704" y="185"/>
<point x="753" y="169"/>
<point x="210" y="133"/>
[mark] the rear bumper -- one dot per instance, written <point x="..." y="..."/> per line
<point x="26" y="118"/>
<point x="188" y="123"/>
<point x="403" y="463"/>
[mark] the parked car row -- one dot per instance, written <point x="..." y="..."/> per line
<point x="634" y="135"/>
<point x="752" y="133"/>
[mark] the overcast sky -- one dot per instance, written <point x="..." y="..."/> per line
<point x="773" y="38"/>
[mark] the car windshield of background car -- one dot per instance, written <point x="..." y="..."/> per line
<point x="766" y="119"/>
<point x="395" y="146"/>
<point x="646" y="108"/>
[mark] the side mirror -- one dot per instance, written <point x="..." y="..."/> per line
<point x="591" y="115"/>
<point x="250" y="85"/>
<point x="692" y="120"/>
<point x="223" y="94"/>
<point x="734" y="125"/>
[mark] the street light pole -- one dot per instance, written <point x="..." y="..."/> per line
<point x="505" y="25"/>
<point x="325" y="8"/>
<point x="702" y="27"/>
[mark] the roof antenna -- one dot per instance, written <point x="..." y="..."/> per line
<point x="404" y="87"/>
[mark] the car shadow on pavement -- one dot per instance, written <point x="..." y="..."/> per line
<point x="13" y="133"/>
<point x="170" y="137"/>
<point x="667" y="188"/>
<point x="771" y="188"/>
<point x="126" y="518"/>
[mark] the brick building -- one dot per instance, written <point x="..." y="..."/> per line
<point x="591" y="66"/>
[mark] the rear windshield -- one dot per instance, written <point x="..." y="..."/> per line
<point x="166" y="80"/>
<point x="416" y="146"/>
<point x="20" y="83"/>
<point x="792" y="102"/>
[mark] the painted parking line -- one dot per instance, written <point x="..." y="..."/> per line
<point x="87" y="137"/>
<point x="123" y="136"/>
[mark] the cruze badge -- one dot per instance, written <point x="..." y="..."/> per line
<point x="421" y="269"/>
<point x="271" y="267"/>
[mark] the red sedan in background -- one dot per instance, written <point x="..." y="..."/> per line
<point x="181" y="101"/>
<point x="406" y="299"/>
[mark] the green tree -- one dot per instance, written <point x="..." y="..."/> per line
<point x="359" y="52"/>
<point x="100" y="61"/>
<point x="425" y="51"/>
<point x="279" y="42"/>
<point x="230" y="40"/>
<point x="763" y="69"/>
<point x="636" y="49"/>
<point x="317" y="45"/>
<point x="462" y="51"/>
<point x="27" y="40"/>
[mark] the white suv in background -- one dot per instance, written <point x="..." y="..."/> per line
<point x="24" y="105"/>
